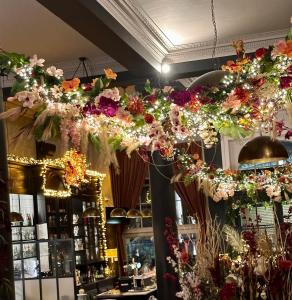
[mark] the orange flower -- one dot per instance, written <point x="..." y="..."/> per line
<point x="283" y="48"/>
<point x="230" y="172"/>
<point x="70" y="85"/>
<point x="194" y="105"/>
<point x="232" y="67"/>
<point x="238" y="46"/>
<point x="109" y="74"/>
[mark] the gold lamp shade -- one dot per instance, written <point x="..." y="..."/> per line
<point x="262" y="149"/>
<point x="90" y="212"/>
<point x="146" y="213"/>
<point x="134" y="213"/>
<point x="118" y="213"/>
<point x="15" y="217"/>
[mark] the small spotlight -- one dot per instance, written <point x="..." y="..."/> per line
<point x="165" y="68"/>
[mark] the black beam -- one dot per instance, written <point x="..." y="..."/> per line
<point x="6" y="272"/>
<point x="163" y="205"/>
<point x="197" y="67"/>
<point x="93" y="22"/>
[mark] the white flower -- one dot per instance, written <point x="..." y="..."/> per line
<point x="167" y="89"/>
<point x="113" y="94"/>
<point x="53" y="71"/>
<point x="35" y="61"/>
<point x="27" y="98"/>
<point x="56" y="92"/>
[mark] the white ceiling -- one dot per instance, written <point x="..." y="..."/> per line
<point x="189" y="21"/>
<point x="182" y="30"/>
<point x="29" y="28"/>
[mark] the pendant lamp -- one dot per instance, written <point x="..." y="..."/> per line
<point x="146" y="213"/>
<point x="134" y="213"/>
<point x="262" y="149"/>
<point x="211" y="79"/>
<point x="15" y="217"/>
<point x="118" y="213"/>
<point x="90" y="212"/>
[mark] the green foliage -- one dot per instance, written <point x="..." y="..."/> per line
<point x="55" y="131"/>
<point x="39" y="131"/>
<point x="229" y="128"/>
<point x="147" y="87"/>
<point x="115" y="142"/>
<point x="10" y="60"/>
<point x="18" y="86"/>
<point x="95" y="141"/>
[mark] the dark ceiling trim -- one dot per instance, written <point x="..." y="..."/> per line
<point x="93" y="22"/>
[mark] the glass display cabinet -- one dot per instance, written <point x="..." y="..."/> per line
<point x="43" y="269"/>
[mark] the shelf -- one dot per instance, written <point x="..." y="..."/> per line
<point x="25" y="258"/>
<point x="91" y="263"/>
<point x="30" y="257"/>
<point x="24" y="226"/>
<point x="23" y="241"/>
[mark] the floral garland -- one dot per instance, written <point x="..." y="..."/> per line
<point x="248" y="98"/>
<point x="73" y="163"/>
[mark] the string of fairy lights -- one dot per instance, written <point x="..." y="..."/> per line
<point x="59" y="163"/>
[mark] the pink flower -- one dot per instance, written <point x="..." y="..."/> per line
<point x="283" y="48"/>
<point x="232" y="103"/>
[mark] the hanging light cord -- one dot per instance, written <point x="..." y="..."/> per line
<point x="215" y="40"/>
<point x="81" y="63"/>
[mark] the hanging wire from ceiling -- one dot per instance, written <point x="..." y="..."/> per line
<point x="215" y="39"/>
<point x="82" y="61"/>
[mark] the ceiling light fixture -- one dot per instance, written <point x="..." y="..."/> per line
<point x="165" y="68"/>
<point x="134" y="214"/>
<point x="262" y="149"/>
<point x="118" y="213"/>
<point x="90" y="212"/>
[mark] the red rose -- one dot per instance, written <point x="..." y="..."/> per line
<point x="148" y="118"/>
<point x="260" y="53"/>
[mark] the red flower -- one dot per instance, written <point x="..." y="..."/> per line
<point x="184" y="257"/>
<point x="285" y="265"/>
<point x="136" y="106"/>
<point x="148" y="118"/>
<point x="285" y="82"/>
<point x="87" y="87"/>
<point x="258" y="82"/>
<point x="241" y="94"/>
<point x="260" y="53"/>
<point x="228" y="291"/>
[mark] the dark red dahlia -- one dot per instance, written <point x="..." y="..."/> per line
<point x="148" y="118"/>
<point x="180" y="98"/>
<point x="260" y="53"/>
<point x="285" y="82"/>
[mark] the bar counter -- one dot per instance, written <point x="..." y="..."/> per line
<point x="131" y="294"/>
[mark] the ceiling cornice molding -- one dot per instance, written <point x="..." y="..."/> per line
<point x="203" y="50"/>
<point x="140" y="25"/>
<point x="126" y="13"/>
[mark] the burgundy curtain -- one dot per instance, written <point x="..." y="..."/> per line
<point x="194" y="200"/>
<point x="126" y="189"/>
